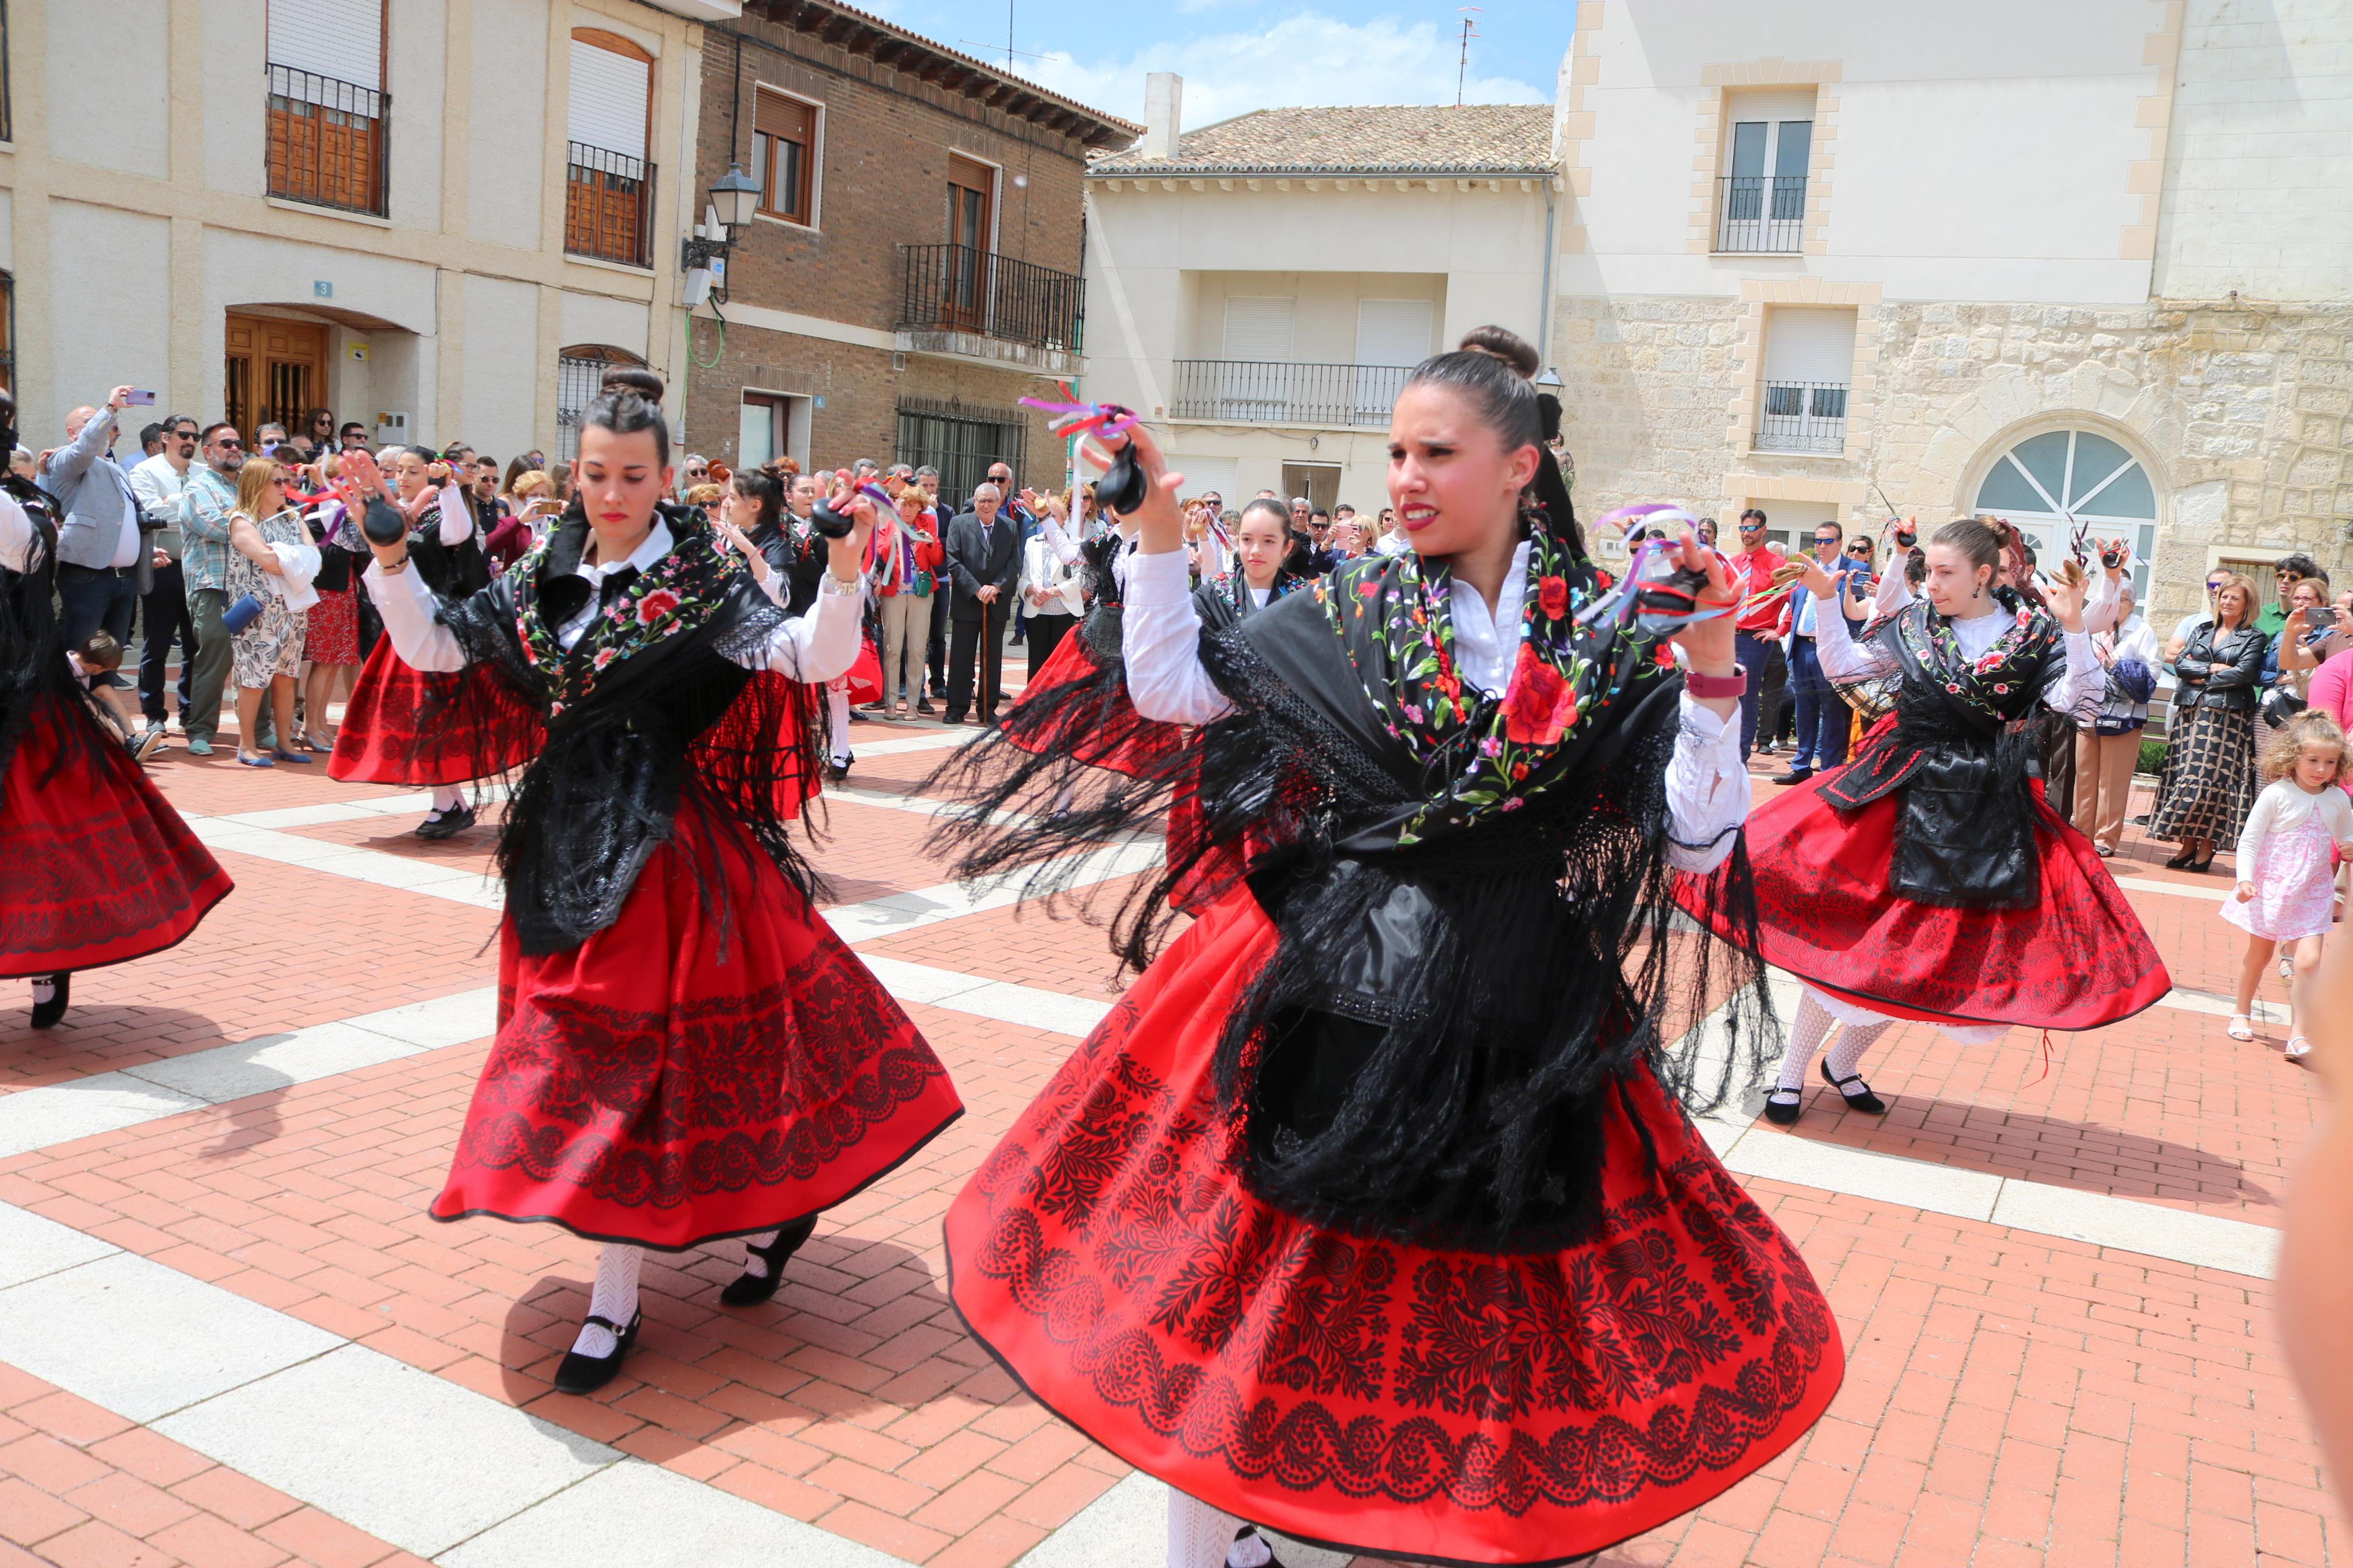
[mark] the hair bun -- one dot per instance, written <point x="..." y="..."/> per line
<point x="635" y="379"/>
<point x="1504" y="344"/>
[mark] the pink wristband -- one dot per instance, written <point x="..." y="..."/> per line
<point x="1732" y="685"/>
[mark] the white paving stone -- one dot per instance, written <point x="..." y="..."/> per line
<point x="103" y="1102"/>
<point x="31" y="1246"/>
<point x="636" y="1515"/>
<point x="272" y="1062"/>
<point x="1886" y="1178"/>
<point x="2204" y="1241"/>
<point x="407" y="1457"/>
<point x="141" y="1339"/>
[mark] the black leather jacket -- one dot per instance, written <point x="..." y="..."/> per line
<point x="2220" y="669"/>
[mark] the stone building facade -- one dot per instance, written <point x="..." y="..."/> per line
<point x="2081" y="283"/>
<point x="922" y="275"/>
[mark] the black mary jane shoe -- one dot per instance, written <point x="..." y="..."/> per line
<point x="578" y="1373"/>
<point x="1249" y="1533"/>
<point x="47" y="1014"/>
<point x="1779" y="1114"/>
<point x="449" y="825"/>
<point x="2181" y="862"/>
<point x="1867" y="1102"/>
<point x="749" y="1290"/>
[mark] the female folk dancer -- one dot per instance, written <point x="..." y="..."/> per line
<point x="381" y="741"/>
<point x="95" y="866"/>
<point x="1927" y="879"/>
<point x="1370" y="1214"/>
<point x="686" y="1050"/>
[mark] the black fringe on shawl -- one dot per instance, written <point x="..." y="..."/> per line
<point x="33" y="666"/>
<point x="1544" y="963"/>
<point x="590" y="802"/>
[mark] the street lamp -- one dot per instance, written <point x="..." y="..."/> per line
<point x="733" y="196"/>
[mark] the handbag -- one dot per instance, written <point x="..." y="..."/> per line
<point x="241" y="614"/>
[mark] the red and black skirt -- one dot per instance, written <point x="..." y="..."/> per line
<point x="417" y="728"/>
<point x="1065" y="711"/>
<point x="1371" y="1396"/>
<point x="2077" y="959"/>
<point x="714" y="1063"/>
<point x="95" y="866"/>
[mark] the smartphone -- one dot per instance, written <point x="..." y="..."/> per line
<point x="145" y="399"/>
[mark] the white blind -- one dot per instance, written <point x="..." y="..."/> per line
<point x="608" y="99"/>
<point x="338" y="39"/>
<point x="1807" y="344"/>
<point x="1392" y="331"/>
<point x="1258" y="327"/>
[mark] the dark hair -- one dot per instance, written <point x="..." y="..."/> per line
<point x="1504" y="344"/>
<point x="427" y="453"/>
<point x="311" y="417"/>
<point x="1503" y="397"/>
<point x="2302" y="565"/>
<point x="204" y="436"/>
<point x="626" y="414"/>
<point x="633" y="378"/>
<point x="349" y="426"/>
<point x="1294" y="554"/>
<point x="173" y="421"/>
<point x="1837" y="531"/>
<point x="1982" y="540"/>
<point x="763" y="489"/>
<point x="150" y="433"/>
<point x="99" y="650"/>
<point x="1753" y="511"/>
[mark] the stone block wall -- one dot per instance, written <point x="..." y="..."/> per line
<point x="2244" y="414"/>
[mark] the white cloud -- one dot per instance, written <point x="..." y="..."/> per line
<point x="1304" y="59"/>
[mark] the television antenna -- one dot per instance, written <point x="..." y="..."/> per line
<point x="1009" y="50"/>
<point x="1462" y="67"/>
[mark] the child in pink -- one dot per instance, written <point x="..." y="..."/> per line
<point x="2286" y="882"/>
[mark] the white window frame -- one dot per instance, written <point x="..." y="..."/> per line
<point x="816" y="164"/>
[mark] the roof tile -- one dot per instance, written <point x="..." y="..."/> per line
<point x="1482" y="138"/>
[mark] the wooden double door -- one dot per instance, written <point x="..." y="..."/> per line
<point x="277" y="369"/>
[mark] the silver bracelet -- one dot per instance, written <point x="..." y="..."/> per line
<point x="840" y="587"/>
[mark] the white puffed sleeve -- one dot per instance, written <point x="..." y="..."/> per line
<point x="1160" y="637"/>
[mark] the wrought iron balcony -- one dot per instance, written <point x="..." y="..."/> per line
<point x="1270" y="391"/>
<point x="959" y="299"/>
<point x="1761" y="214"/>
<point x="326" y="142"/>
<point x="608" y="206"/>
<point x="1802" y="417"/>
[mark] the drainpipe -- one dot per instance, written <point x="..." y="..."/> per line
<point x="1543" y="305"/>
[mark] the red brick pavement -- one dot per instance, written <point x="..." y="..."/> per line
<point x="81" y="1487"/>
<point x="2011" y="1399"/>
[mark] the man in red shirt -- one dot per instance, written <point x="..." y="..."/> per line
<point x="1759" y="636"/>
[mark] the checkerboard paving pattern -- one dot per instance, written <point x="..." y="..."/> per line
<point x="2012" y="1398"/>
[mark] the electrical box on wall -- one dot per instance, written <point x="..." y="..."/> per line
<point x="391" y="429"/>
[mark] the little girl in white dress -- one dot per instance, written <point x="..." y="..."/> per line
<point x="2287" y="883"/>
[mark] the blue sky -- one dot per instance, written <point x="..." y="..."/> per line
<point x="1240" y="54"/>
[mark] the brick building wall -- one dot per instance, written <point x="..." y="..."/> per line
<point x="882" y="173"/>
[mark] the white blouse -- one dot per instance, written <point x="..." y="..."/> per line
<point x="814" y="648"/>
<point x="2284" y="806"/>
<point x="1707" y="784"/>
<point x="2079" y="694"/>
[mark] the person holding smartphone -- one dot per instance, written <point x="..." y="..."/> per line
<point x="1822" y="718"/>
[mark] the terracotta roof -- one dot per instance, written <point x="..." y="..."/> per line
<point x="1477" y="137"/>
<point x="886" y="43"/>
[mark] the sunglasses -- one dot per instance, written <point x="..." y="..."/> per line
<point x="228" y="446"/>
<point x="2216" y="587"/>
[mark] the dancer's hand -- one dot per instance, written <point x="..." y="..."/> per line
<point x="2065" y="595"/>
<point x="846" y="557"/>
<point x="735" y="539"/>
<point x="1816" y="580"/>
<point x="1707" y="644"/>
<point x="1163" y="529"/>
<point x="2246" y="892"/>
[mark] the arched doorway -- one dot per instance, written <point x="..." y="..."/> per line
<point x="2051" y="483"/>
<point x="579" y="370"/>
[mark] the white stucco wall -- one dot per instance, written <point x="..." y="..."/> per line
<point x="110" y="327"/>
<point x="509" y="116"/>
<point x="596" y="319"/>
<point x="236" y="89"/>
<point x="109" y="94"/>
<point x="2259" y="165"/>
<point x="1981" y="152"/>
<point x="500" y="372"/>
<point x="416" y="71"/>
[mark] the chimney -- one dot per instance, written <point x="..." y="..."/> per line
<point x="1164" y="97"/>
